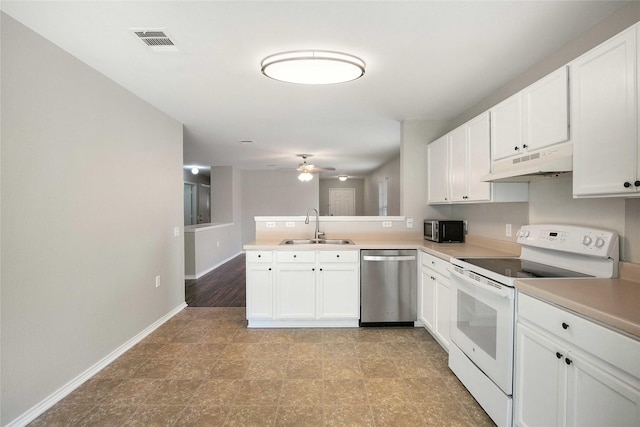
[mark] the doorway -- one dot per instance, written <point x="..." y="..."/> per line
<point x="342" y="201"/>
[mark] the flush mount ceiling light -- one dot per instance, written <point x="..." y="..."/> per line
<point x="343" y="178"/>
<point x="313" y="67"/>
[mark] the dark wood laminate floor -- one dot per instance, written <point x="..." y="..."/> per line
<point x="223" y="287"/>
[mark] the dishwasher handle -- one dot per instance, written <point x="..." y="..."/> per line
<point x="389" y="258"/>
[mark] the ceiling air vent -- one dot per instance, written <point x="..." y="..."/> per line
<point x="156" y="39"/>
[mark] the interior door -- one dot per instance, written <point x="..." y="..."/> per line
<point x="342" y="201"/>
<point x="204" y="203"/>
<point x="189" y="203"/>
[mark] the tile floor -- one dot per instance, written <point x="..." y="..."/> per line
<point x="205" y="368"/>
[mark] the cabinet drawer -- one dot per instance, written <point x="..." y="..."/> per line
<point x="339" y="256"/>
<point x="613" y="347"/>
<point x="437" y="264"/>
<point x="259" y="256"/>
<point x="296" y="256"/>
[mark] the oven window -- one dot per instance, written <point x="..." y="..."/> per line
<point x="478" y="322"/>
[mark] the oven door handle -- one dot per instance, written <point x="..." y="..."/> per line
<point x="500" y="290"/>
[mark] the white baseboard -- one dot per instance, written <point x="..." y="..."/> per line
<point x="209" y="270"/>
<point x="65" y="390"/>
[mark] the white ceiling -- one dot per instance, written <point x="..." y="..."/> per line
<point x="425" y="60"/>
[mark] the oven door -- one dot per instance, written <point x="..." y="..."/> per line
<point x="482" y="325"/>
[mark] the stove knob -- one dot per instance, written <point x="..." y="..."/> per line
<point x="586" y="240"/>
<point x="525" y="233"/>
<point x="599" y="242"/>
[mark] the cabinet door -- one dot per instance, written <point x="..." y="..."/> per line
<point x="296" y="291"/>
<point x="458" y="178"/>
<point x="506" y="128"/>
<point x="443" y="318"/>
<point x="438" y="170"/>
<point x="540" y="378"/>
<point x="338" y="291"/>
<point x="428" y="298"/>
<point x="259" y="291"/>
<point x="478" y="158"/>
<point x="604" y="118"/>
<point x="596" y="398"/>
<point x="545" y="111"/>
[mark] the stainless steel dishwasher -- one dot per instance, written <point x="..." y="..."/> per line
<point x="388" y="290"/>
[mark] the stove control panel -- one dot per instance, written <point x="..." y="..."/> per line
<point x="568" y="238"/>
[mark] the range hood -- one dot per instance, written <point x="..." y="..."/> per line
<point x="550" y="161"/>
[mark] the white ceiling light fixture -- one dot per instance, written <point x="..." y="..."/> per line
<point x="313" y="67"/>
<point x="343" y="178"/>
<point x="305" y="176"/>
<point x="195" y="171"/>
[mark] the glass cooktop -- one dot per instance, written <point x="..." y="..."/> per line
<point x="516" y="267"/>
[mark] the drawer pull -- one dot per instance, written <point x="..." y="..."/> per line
<point x="259" y="256"/>
<point x="567" y="361"/>
<point x="565" y="325"/>
<point x="338" y="256"/>
<point x="558" y="355"/>
<point x="269" y="268"/>
<point x="295" y="256"/>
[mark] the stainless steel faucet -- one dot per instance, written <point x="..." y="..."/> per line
<point x="318" y="233"/>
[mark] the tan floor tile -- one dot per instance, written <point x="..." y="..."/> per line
<point x="449" y="414"/>
<point x="248" y="335"/>
<point x="397" y="335"/>
<point x="273" y="350"/>
<point x="372" y="350"/>
<point x="108" y="416"/>
<point x="91" y="392"/>
<point x="207" y="350"/>
<point x="122" y="368"/>
<point x="339" y="335"/>
<point x="368" y="335"/>
<point x="155" y="368"/>
<point x="339" y="350"/>
<point x="335" y="368"/>
<point x="241" y="351"/>
<point x="301" y="392"/>
<point x="131" y="392"/>
<point x="216" y="392"/>
<point x="62" y="416"/>
<point x="273" y="336"/>
<point x="299" y="416"/>
<point x="304" y="369"/>
<point x="229" y="369"/>
<point x="155" y="415"/>
<point x="251" y="416"/>
<point x="477" y="416"/>
<point x="190" y="369"/>
<point x="217" y="336"/>
<point x="344" y="392"/>
<point x="306" y="350"/>
<point x="416" y="367"/>
<point x="379" y="368"/>
<point x="188" y="335"/>
<point x="348" y="415"/>
<point x="144" y="349"/>
<point x="399" y="415"/>
<point x="308" y="335"/>
<point x="172" y="392"/>
<point x="404" y="349"/>
<point x="203" y="416"/>
<point x="385" y="391"/>
<point x="259" y="392"/>
<point x="266" y="369"/>
<point x="174" y="350"/>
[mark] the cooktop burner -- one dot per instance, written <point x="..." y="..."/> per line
<point x="516" y="267"/>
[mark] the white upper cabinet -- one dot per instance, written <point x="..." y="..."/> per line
<point x="506" y="128"/>
<point x="470" y="160"/>
<point x="534" y="118"/>
<point x="604" y="117"/>
<point x="438" y="170"/>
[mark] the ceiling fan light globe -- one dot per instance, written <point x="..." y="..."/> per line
<point x="305" y="176"/>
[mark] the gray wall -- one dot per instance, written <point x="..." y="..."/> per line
<point x="391" y="172"/>
<point x="355" y="183"/>
<point x="267" y="193"/>
<point x="82" y="236"/>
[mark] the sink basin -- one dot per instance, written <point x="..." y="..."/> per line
<point x="316" y="242"/>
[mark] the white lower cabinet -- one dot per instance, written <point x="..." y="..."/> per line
<point x="306" y="288"/>
<point x="433" y="309"/>
<point x="570" y="371"/>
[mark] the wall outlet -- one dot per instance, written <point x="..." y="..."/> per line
<point x="176" y="231"/>
<point x="409" y="222"/>
<point x="386" y="224"/>
<point x="157" y="281"/>
<point x="508" y="230"/>
<point x="271" y="224"/>
<point x="290" y="224"/>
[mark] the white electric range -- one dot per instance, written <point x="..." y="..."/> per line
<point x="483" y="303"/>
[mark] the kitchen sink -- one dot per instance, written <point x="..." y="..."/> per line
<point x="316" y="242"/>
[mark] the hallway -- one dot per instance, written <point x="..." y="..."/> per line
<point x="223" y="287"/>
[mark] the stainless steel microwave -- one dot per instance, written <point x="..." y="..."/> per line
<point x="441" y="231"/>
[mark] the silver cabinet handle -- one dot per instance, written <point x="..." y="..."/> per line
<point x="389" y="258"/>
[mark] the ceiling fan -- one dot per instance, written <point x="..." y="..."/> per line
<point x="306" y="170"/>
